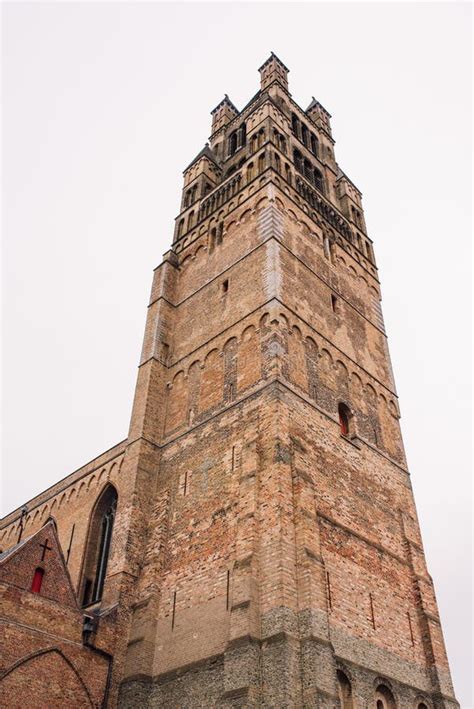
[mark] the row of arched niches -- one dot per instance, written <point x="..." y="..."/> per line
<point x="87" y="486"/>
<point x="224" y="373"/>
<point x="383" y="694"/>
<point x="356" y="284"/>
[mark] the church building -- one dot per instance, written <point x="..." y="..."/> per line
<point x="254" y="540"/>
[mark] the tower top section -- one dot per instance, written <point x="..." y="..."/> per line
<point x="223" y="113"/>
<point x="319" y="115"/>
<point x="273" y="70"/>
<point x="271" y="139"/>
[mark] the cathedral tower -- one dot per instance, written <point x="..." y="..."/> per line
<point x="284" y="564"/>
<point x="265" y="549"/>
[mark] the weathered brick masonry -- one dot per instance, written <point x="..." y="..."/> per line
<point x="254" y="541"/>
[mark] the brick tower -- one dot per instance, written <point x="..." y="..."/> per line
<point x="284" y="563"/>
<point x="266" y="548"/>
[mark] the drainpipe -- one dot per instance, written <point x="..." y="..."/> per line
<point x="24" y="512"/>
<point x="89" y="627"/>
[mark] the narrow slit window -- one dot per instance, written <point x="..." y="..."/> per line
<point x="344" y="419"/>
<point x="225" y="285"/>
<point x="37" y="580"/>
<point x="334" y="303"/>
<point x="173" y="612"/>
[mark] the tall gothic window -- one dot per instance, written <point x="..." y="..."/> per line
<point x="305" y="135"/>
<point x="98" y="546"/>
<point x="233" y="142"/>
<point x="295" y="124"/>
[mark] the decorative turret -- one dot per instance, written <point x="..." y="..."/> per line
<point x="319" y="115"/>
<point x="273" y="70"/>
<point x="200" y="177"/>
<point x="222" y="114"/>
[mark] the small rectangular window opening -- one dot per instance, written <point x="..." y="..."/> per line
<point x="334" y="303"/>
<point x="225" y="285"/>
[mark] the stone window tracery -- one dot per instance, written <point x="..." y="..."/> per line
<point x="98" y="546"/>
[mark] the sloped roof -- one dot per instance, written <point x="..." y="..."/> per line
<point x="226" y="100"/>
<point x="273" y="56"/>
<point x="316" y="104"/>
<point x="206" y="152"/>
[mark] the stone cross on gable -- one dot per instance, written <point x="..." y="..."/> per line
<point x="45" y="548"/>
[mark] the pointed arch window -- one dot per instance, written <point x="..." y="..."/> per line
<point x="98" y="546"/>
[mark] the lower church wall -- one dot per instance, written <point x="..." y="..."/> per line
<point x="285" y="672"/>
<point x="201" y="685"/>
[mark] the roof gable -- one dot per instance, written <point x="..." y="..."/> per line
<point x="41" y="550"/>
<point x="206" y="152"/>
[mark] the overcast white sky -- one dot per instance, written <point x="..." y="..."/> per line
<point x="105" y="104"/>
